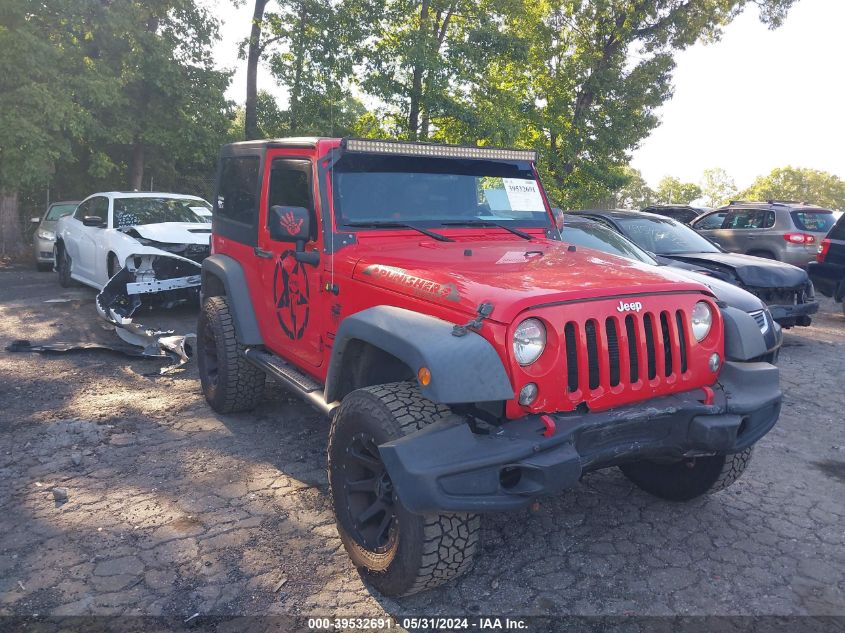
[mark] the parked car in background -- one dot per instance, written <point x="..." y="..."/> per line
<point x="828" y="271"/>
<point x="159" y="239"/>
<point x="680" y="212"/>
<point x="786" y="289"/>
<point x="589" y="233"/>
<point x="45" y="234"/>
<point x="786" y="231"/>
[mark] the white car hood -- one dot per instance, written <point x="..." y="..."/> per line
<point x="174" y="232"/>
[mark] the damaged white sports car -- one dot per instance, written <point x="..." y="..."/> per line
<point x="128" y="244"/>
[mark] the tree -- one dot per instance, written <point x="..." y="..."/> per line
<point x="799" y="184"/>
<point x="671" y="190"/>
<point x="40" y="75"/>
<point x="717" y="187"/>
<point x="635" y="194"/>
<point x="255" y="47"/>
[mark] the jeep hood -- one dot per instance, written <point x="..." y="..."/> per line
<point x="172" y="232"/>
<point x="752" y="271"/>
<point x="512" y="275"/>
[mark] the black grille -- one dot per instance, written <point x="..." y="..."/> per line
<point x="612" y="350"/>
<point x="589" y="347"/>
<point x="633" y="350"/>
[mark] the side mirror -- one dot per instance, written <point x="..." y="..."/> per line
<point x="93" y="220"/>
<point x="35" y="220"/>
<point x="558" y="213"/>
<point x="292" y="224"/>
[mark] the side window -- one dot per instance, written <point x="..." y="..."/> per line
<point x="745" y="219"/>
<point x="838" y="230"/>
<point x="237" y="193"/>
<point x="710" y="222"/>
<point x="83" y="209"/>
<point x="769" y="220"/>
<point x="100" y="208"/>
<point x="290" y="186"/>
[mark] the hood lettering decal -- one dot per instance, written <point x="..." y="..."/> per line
<point x="400" y="278"/>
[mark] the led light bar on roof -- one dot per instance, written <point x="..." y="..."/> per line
<point x="400" y="148"/>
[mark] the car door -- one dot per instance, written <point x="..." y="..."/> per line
<point x="710" y="224"/>
<point x="91" y="241"/>
<point x="292" y="288"/>
<point x="741" y="229"/>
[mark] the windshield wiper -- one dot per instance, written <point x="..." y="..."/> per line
<point x="398" y="225"/>
<point x="483" y="223"/>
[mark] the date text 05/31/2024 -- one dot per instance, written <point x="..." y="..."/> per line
<point x="415" y="623"/>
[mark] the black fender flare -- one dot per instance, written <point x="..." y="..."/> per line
<point x="230" y="274"/>
<point x="464" y="369"/>
<point x="743" y="338"/>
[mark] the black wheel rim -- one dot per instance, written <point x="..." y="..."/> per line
<point x="369" y="495"/>
<point x="210" y="354"/>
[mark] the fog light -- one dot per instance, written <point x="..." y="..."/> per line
<point x="528" y="394"/>
<point x="714" y="362"/>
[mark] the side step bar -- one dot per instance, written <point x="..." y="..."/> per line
<point x="298" y="383"/>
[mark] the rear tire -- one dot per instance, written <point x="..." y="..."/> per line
<point x="688" y="478"/>
<point x="229" y="382"/>
<point x="398" y="552"/>
<point x="64" y="266"/>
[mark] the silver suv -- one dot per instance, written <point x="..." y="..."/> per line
<point x="787" y="231"/>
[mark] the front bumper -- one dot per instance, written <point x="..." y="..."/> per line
<point x="795" y="314"/>
<point x="44" y="250"/>
<point x="447" y="467"/>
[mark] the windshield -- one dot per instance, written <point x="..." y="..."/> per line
<point x="434" y="192"/>
<point x="61" y="210"/>
<point x="814" y="221"/>
<point x="601" y="238"/>
<point x="134" y="211"/>
<point x="664" y="236"/>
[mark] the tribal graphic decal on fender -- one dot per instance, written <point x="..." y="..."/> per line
<point x="291" y="293"/>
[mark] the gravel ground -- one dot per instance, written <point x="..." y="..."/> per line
<point x="173" y="510"/>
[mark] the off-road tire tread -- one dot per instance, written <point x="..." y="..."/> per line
<point x="735" y="465"/>
<point x="450" y="540"/>
<point x="243" y="382"/>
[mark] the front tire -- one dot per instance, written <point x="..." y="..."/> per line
<point x="688" y="478"/>
<point x="398" y="552"/>
<point x="229" y="382"/>
<point x="64" y="265"/>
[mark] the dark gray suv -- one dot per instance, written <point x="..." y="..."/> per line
<point x="786" y="231"/>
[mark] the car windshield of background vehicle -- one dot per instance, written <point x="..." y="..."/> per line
<point x="60" y="210"/>
<point x="433" y="192"/>
<point x="603" y="239"/>
<point x="813" y="221"/>
<point x="664" y="236"/>
<point x="135" y="211"/>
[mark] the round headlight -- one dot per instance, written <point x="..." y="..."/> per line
<point x="529" y="340"/>
<point x="702" y="320"/>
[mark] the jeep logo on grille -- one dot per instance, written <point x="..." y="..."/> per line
<point x="634" y="306"/>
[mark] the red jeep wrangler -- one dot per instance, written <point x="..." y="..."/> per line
<point x="468" y="359"/>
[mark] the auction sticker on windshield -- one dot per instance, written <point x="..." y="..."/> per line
<point x="523" y="195"/>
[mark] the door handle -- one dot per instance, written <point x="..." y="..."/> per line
<point x="260" y="252"/>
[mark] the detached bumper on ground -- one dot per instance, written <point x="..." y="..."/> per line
<point x="447" y="467"/>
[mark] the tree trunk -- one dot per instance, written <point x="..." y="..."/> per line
<point x="253" y="55"/>
<point x="11" y="238"/>
<point x="136" y="165"/>
<point x="416" y="82"/>
<point x="299" y="54"/>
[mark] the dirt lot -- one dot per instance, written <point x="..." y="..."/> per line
<point x="175" y="510"/>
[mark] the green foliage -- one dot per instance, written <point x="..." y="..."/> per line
<point x="671" y="190"/>
<point x="717" y="187"/>
<point x="635" y="194"/>
<point x="799" y="184"/>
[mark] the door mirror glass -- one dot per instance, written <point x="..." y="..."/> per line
<point x="289" y="224"/>
<point x="93" y="220"/>
<point x="558" y="213"/>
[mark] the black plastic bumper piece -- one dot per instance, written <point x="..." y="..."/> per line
<point x="795" y="314"/>
<point x="447" y="468"/>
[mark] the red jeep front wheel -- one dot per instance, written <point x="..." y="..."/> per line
<point x="398" y="552"/>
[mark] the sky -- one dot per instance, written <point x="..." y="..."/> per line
<point x="755" y="100"/>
